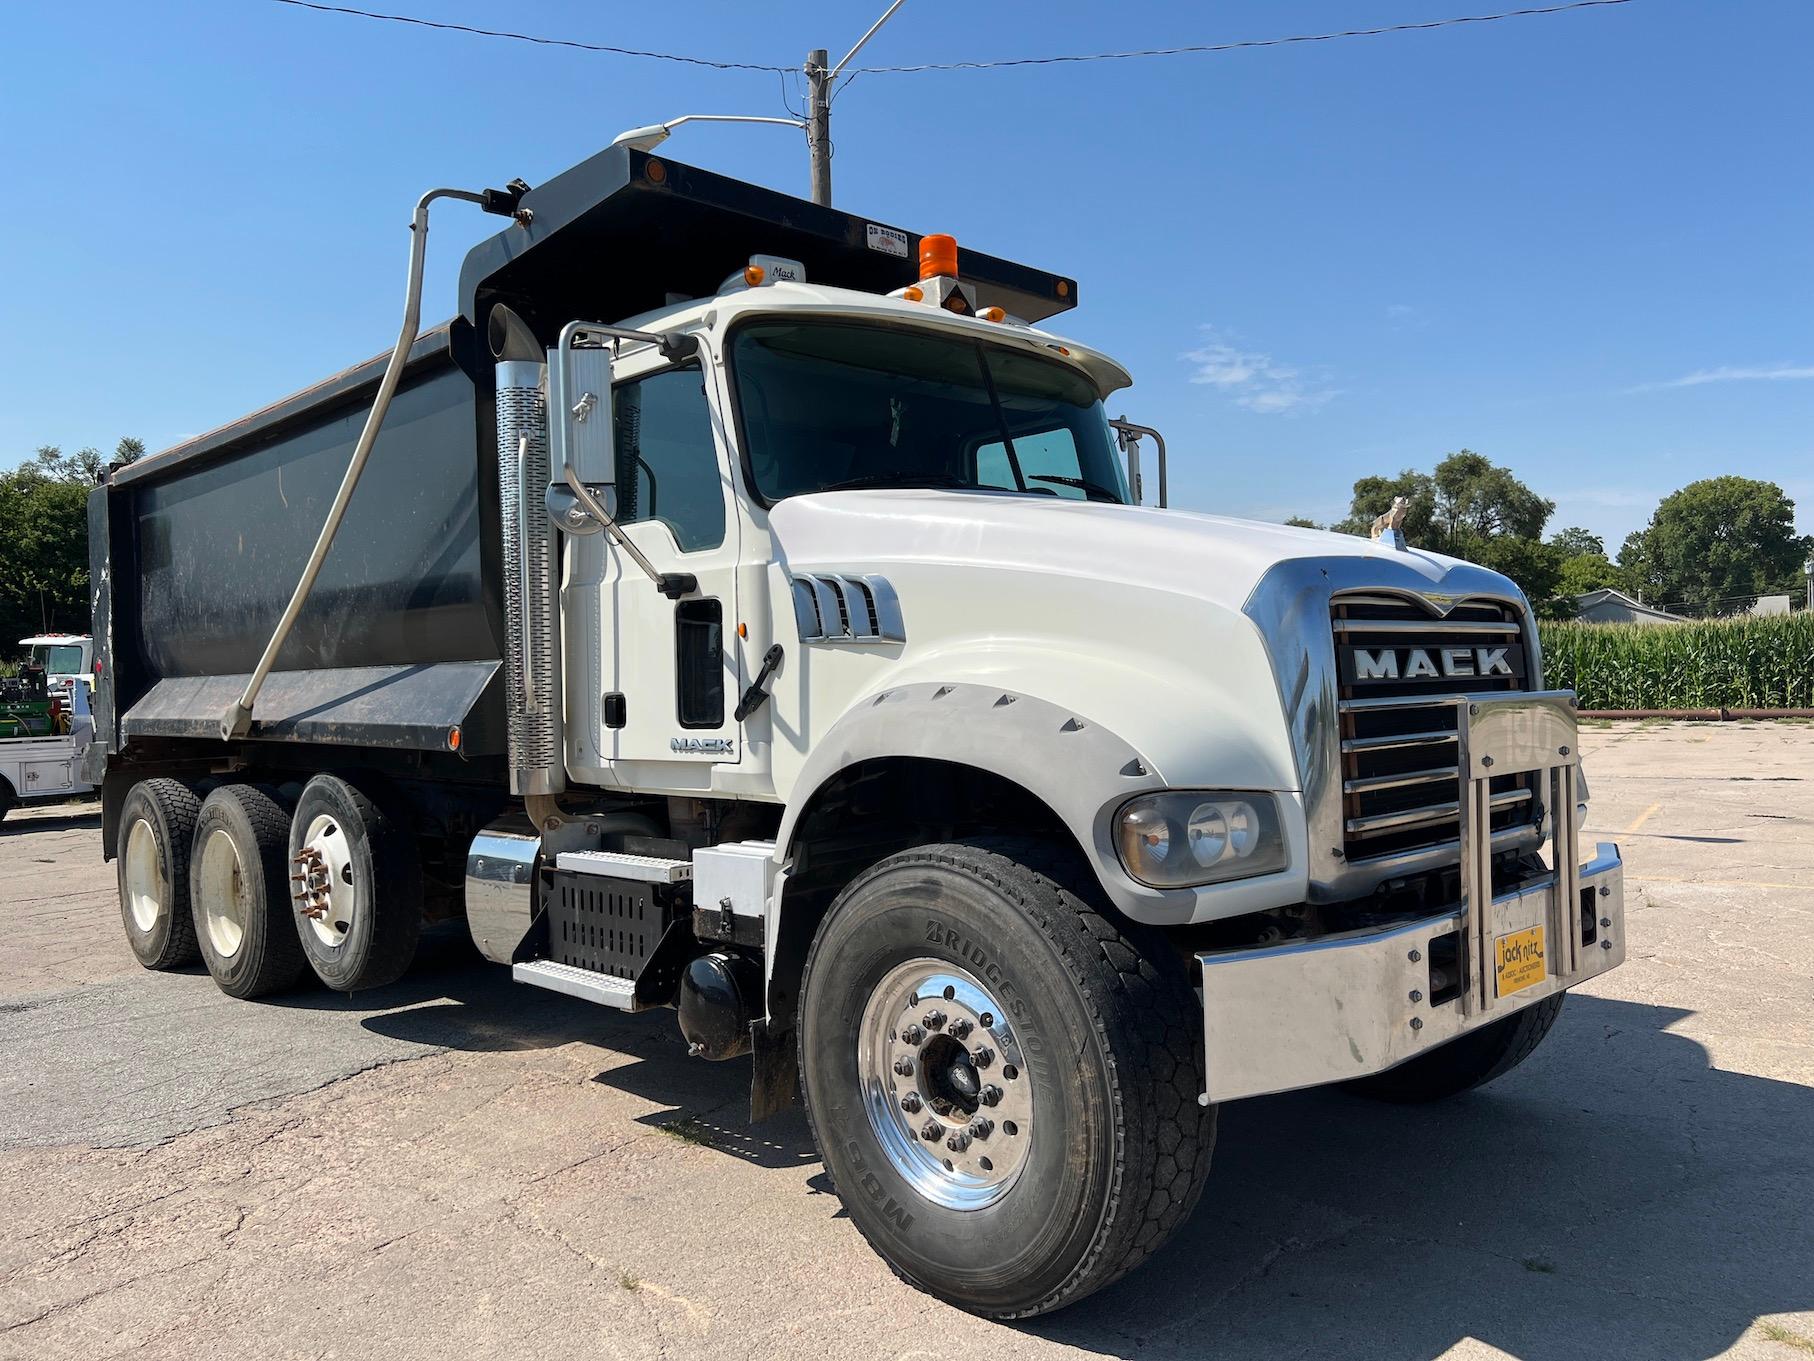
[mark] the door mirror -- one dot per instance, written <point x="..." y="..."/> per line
<point x="580" y="417"/>
<point x="1128" y="436"/>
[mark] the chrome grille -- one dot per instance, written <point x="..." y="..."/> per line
<point x="1398" y="752"/>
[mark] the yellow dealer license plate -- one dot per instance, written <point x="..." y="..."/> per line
<point x="1519" y="959"/>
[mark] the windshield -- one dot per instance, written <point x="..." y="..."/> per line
<point x="830" y="404"/>
<point x="59" y="659"/>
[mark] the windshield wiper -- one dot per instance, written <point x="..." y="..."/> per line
<point x="1089" y="489"/>
<point x="900" y="480"/>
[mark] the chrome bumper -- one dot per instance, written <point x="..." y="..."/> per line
<point x="1304" y="1013"/>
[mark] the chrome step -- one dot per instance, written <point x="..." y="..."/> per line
<point x="605" y="989"/>
<point x="645" y="869"/>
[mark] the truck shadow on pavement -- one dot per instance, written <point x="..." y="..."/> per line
<point x="1614" y="1197"/>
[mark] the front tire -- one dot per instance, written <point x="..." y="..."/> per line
<point x="1466" y="1063"/>
<point x="1078" y="1054"/>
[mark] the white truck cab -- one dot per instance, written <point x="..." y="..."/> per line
<point x="757" y="610"/>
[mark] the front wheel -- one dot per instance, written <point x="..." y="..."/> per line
<point x="1002" y="1082"/>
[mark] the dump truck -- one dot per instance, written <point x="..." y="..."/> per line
<point x="747" y="609"/>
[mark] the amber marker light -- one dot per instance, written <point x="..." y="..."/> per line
<point x="453" y="739"/>
<point x="992" y="314"/>
<point x="938" y="256"/>
<point x="913" y="293"/>
<point x="754" y="274"/>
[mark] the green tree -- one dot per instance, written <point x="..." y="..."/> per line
<point x="1588" y="572"/>
<point x="1715" y="543"/>
<point x="1300" y="522"/>
<point x="1576" y="542"/>
<point x="1468" y="507"/>
<point x="44" y="540"/>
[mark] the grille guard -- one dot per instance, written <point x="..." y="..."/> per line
<point x="1305" y="1013"/>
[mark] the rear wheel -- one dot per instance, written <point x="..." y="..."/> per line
<point x="151" y="857"/>
<point x="1476" y="1058"/>
<point x="1002" y="1082"/>
<point x="359" y="911"/>
<point x="239" y="892"/>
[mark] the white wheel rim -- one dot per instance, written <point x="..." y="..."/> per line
<point x="144" y="883"/>
<point x="222" y="881"/>
<point x="337" y="893"/>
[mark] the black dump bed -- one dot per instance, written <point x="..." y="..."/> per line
<point x="195" y="550"/>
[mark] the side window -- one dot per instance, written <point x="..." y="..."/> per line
<point x="667" y="465"/>
<point x="1048" y="463"/>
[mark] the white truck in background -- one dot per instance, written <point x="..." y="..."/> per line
<point x="46" y="723"/>
<point x="747" y="609"/>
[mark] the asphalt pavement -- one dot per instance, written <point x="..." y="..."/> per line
<point x="457" y="1166"/>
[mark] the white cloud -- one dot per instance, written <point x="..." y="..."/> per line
<point x="1771" y="373"/>
<point x="1254" y="380"/>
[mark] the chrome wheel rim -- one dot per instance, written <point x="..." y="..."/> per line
<point x="944" y="1084"/>
<point x="144" y="884"/>
<point x="325" y="896"/>
<point x="223" y="888"/>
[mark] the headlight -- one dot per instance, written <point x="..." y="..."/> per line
<point x="1181" y="838"/>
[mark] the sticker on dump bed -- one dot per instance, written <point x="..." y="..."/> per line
<point x="888" y="240"/>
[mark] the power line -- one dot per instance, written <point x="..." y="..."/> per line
<point x="1235" y="46"/>
<point x="850" y="73"/>
<point x="531" y="38"/>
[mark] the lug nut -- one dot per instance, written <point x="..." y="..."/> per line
<point x="934" y="1019"/>
<point x="911" y="1103"/>
<point x="989" y="1095"/>
<point x="958" y="1142"/>
<point x="960" y="1029"/>
<point x="981" y="1128"/>
<point x="983" y="1057"/>
<point x="930" y="1130"/>
<point x="904" y="1066"/>
<point x="912" y="1035"/>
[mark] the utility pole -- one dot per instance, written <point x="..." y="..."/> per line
<point x="819" y="80"/>
<point x="818" y="123"/>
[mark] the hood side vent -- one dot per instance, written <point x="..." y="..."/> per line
<point x="832" y="608"/>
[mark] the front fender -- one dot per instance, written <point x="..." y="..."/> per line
<point x="1082" y="760"/>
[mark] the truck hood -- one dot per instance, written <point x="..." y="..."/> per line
<point x="1214" y="557"/>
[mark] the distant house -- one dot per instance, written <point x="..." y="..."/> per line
<point x="1608" y="606"/>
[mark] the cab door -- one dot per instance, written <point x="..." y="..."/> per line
<point x="667" y="673"/>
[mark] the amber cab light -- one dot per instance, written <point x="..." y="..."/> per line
<point x="913" y="293"/>
<point x="938" y="257"/>
<point x="753" y="275"/>
<point x="992" y="314"/>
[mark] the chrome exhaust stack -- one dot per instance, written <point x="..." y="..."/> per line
<point x="532" y="658"/>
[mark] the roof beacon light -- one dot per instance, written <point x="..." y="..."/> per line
<point x="938" y="257"/>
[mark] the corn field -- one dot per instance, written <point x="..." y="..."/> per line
<point x="1707" y="664"/>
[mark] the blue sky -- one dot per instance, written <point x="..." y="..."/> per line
<point x="1579" y="244"/>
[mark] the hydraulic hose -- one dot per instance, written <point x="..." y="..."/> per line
<point x="238" y="718"/>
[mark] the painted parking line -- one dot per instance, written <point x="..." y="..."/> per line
<point x="1642" y="818"/>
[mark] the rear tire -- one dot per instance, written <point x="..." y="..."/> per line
<point x="8" y="799"/>
<point x="1095" y="1149"/>
<point x="1466" y="1063"/>
<point x="369" y="887"/>
<point x="151" y="855"/>
<point x="239" y="892"/>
